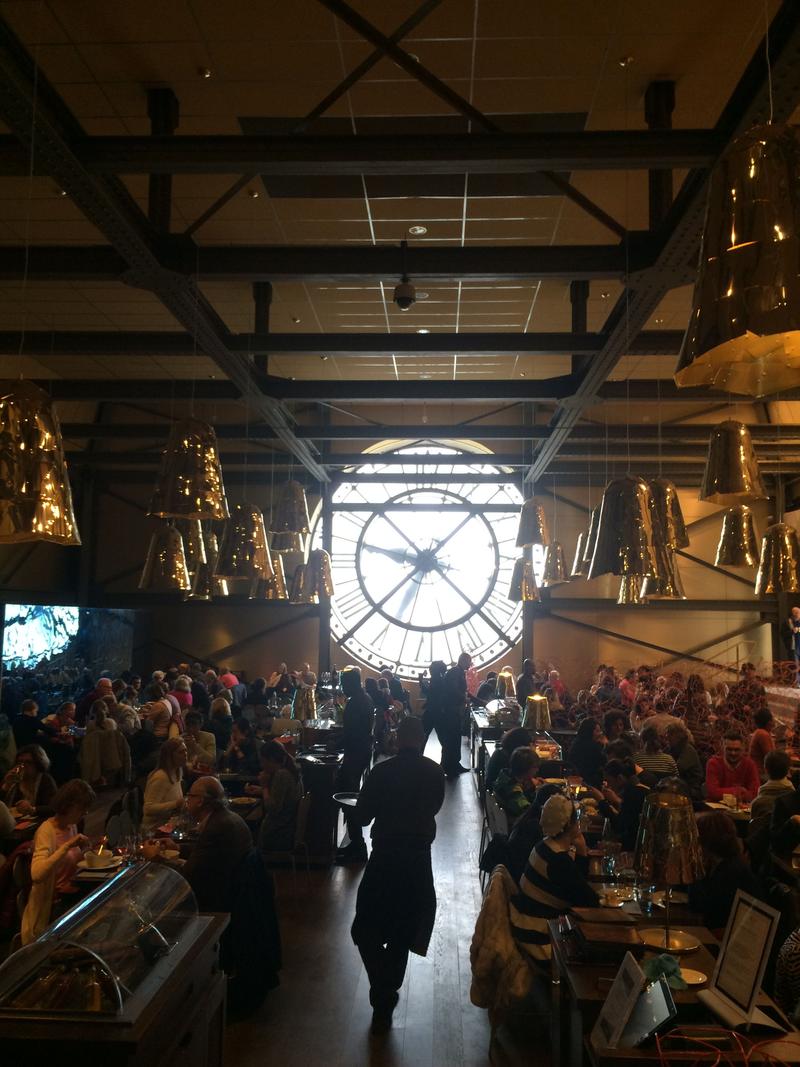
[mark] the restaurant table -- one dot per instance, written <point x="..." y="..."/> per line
<point x="579" y="989"/>
<point x="564" y="738"/>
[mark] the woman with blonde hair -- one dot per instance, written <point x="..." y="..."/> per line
<point x="163" y="792"/>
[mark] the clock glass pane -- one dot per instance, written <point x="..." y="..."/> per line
<point x="422" y="562"/>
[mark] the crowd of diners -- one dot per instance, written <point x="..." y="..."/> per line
<point x="632" y="732"/>
<point x="171" y="734"/>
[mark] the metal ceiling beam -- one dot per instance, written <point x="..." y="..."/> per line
<point x="761" y="92"/>
<point x="373" y="391"/>
<point x="402" y="154"/>
<point x="40" y="120"/>
<point x="170" y="343"/>
<point x="329" y="264"/>
<point x="697" y="434"/>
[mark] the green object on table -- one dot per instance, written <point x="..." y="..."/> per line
<point x="666" y="965"/>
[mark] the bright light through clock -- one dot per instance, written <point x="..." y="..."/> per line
<point x="422" y="568"/>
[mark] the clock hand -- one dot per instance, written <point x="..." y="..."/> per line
<point x="397" y="554"/>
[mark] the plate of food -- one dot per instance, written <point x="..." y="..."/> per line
<point x="691" y="977"/>
<point x="95" y="862"/>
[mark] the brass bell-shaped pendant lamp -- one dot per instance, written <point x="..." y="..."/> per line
<point x="580" y="568"/>
<point x="630" y="591"/>
<point x="554" y="571"/>
<point x="243" y="553"/>
<point x="533" y="528"/>
<point x="667" y="584"/>
<point x="738" y="540"/>
<point x="779" y="562"/>
<point x="591" y="537"/>
<point x="625" y="530"/>
<point x="522" y="587"/>
<point x="731" y="475"/>
<point x="667" y="507"/>
<point x="744" y="331"/>
<point x="193" y="543"/>
<point x="165" y="569"/>
<point x="300" y="590"/>
<point x="273" y="588"/>
<point x="319" y="570"/>
<point x="189" y="483"/>
<point x="35" y="494"/>
<point x="290" y="521"/>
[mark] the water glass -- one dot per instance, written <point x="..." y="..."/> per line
<point x="644" y="896"/>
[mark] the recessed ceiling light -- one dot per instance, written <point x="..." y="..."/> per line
<point x="204" y="72"/>
<point x="253" y="194"/>
<point x="417" y="231"/>
<point x="323" y="358"/>
<point x="423" y="330"/>
<point x="522" y="374"/>
<point x="422" y="296"/>
<point x="295" y="320"/>
<point x="625" y="61"/>
<point x="424" y="376"/>
<point x="605" y="296"/>
<point x="63" y="192"/>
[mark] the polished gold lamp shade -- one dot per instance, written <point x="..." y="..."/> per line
<point x="189" y="483"/>
<point x="625" y="530"/>
<point x="630" y="591"/>
<point x="506" y="686"/>
<point x="290" y="521"/>
<point x="554" y="571"/>
<point x="273" y="588"/>
<point x="522" y="587"/>
<point x="668" y="854"/>
<point x="35" y="495"/>
<point x="591" y="537"/>
<point x="744" y="331"/>
<point x="165" y="569"/>
<point x="667" y="508"/>
<point x="194" y="544"/>
<point x="301" y="590"/>
<point x="779" y="561"/>
<point x="738" y="540"/>
<point x="667" y="583"/>
<point x="244" y="552"/>
<point x="320" y="576"/>
<point x="580" y="568"/>
<point x="533" y="529"/>
<point x="731" y="475"/>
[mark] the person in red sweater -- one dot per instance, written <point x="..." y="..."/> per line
<point x="733" y="772"/>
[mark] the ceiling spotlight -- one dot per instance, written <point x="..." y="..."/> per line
<point x="422" y="296"/>
<point x="295" y="320"/>
<point x="204" y="72"/>
<point x="605" y="295"/>
<point x="659" y="322"/>
<point x="323" y="358"/>
<point x="423" y="330"/>
<point x="404" y="294"/>
<point x="253" y="194"/>
<point x="522" y="374"/>
<point x="417" y="231"/>
<point x="63" y="192"/>
<point x="625" y="61"/>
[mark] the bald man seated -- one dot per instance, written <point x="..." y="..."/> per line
<point x="224" y="841"/>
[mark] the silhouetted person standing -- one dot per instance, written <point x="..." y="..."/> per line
<point x="396" y="904"/>
<point x="358" y="718"/>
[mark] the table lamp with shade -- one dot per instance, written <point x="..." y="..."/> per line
<point x="668" y="854"/>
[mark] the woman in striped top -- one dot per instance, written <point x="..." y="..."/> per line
<point x="554" y="880"/>
<point x="654" y="762"/>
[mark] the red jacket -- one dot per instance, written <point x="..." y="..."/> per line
<point x="722" y="778"/>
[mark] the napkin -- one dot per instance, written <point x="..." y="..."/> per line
<point x="666" y="965"/>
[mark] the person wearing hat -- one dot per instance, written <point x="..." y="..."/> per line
<point x="554" y="879"/>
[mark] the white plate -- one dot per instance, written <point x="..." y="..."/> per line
<point x="691" y="977"/>
<point x="677" y="898"/>
<point x="115" y="862"/>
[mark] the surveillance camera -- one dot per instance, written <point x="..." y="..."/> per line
<point x="404" y="295"/>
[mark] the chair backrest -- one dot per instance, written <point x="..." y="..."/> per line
<point x="495" y="816"/>
<point x="301" y="821"/>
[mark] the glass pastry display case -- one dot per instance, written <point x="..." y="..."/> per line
<point x="109" y="973"/>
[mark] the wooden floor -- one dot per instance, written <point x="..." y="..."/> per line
<point x="320" y="1014"/>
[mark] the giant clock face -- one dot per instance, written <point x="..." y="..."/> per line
<point x="421" y="571"/>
